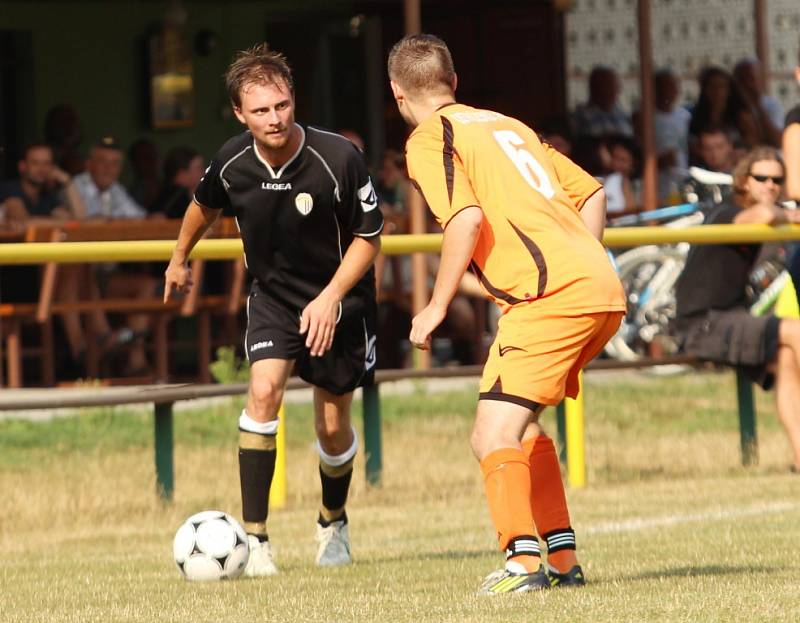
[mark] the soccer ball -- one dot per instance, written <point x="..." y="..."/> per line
<point x="211" y="545"/>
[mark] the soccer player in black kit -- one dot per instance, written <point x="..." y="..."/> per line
<point x="310" y="226"/>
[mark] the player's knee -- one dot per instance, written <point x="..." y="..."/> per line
<point x="336" y="440"/>
<point x="789" y="333"/>
<point x="786" y="360"/>
<point x="334" y="436"/>
<point x="479" y="442"/>
<point x="266" y="395"/>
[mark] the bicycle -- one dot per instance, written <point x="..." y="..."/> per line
<point x="649" y="273"/>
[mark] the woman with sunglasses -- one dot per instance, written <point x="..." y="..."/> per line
<point x="713" y="320"/>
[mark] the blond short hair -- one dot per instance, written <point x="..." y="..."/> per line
<point x="422" y="64"/>
<point x="257" y="65"/>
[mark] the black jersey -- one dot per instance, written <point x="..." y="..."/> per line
<point x="297" y="221"/>
<point x="716" y="275"/>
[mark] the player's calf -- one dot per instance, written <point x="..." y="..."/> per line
<point x="335" y="472"/>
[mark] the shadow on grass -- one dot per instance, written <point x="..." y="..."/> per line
<point x="425" y="556"/>
<point x="706" y="570"/>
<point x="677" y="572"/>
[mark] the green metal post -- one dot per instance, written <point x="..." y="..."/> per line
<point x="747" y="419"/>
<point x="372" y="433"/>
<point x="561" y="426"/>
<point x="165" y="479"/>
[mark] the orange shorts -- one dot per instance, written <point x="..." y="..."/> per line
<point x="536" y="357"/>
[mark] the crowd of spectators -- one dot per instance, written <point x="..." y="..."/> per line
<point x="732" y="114"/>
<point x="54" y="186"/>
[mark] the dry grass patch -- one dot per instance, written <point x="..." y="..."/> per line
<point x="671" y="528"/>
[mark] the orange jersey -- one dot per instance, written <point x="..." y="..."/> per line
<point x="533" y="245"/>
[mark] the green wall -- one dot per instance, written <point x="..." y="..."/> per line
<point x="92" y="55"/>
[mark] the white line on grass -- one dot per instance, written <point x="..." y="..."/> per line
<point x="643" y="523"/>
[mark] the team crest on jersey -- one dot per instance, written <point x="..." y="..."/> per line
<point x="304" y="202"/>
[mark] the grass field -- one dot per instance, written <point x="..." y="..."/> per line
<point x="670" y="528"/>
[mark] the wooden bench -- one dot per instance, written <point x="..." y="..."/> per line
<point x="41" y="312"/>
<point x="163" y="397"/>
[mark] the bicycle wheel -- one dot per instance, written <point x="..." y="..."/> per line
<point x="648" y="275"/>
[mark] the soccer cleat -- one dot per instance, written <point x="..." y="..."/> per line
<point x="260" y="563"/>
<point x="505" y="581"/>
<point x="334" y="544"/>
<point x="573" y="577"/>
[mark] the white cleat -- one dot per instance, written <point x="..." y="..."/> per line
<point x="260" y="563"/>
<point x="334" y="545"/>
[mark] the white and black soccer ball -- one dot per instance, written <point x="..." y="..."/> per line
<point x="211" y="545"/>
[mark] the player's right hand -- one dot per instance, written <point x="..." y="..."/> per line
<point x="423" y="325"/>
<point x="178" y="278"/>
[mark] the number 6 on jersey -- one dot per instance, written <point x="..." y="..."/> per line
<point x="526" y="164"/>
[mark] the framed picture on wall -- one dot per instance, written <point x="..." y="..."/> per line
<point x="170" y="80"/>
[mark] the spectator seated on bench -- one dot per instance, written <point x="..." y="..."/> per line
<point x="103" y="197"/>
<point x="42" y="191"/>
<point x="713" y="320"/>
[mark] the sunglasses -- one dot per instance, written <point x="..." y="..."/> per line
<point x="763" y="178"/>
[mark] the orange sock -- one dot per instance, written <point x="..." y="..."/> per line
<point x="549" y="503"/>
<point x="507" y="479"/>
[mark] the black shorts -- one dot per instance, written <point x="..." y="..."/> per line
<point x="273" y="332"/>
<point x="736" y="338"/>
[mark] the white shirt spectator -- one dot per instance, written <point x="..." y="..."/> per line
<point x="672" y="134"/>
<point x="774" y="110"/>
<point x="615" y="197"/>
<point x="114" y="202"/>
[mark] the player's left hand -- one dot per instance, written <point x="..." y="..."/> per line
<point x="424" y="323"/>
<point x="318" y="320"/>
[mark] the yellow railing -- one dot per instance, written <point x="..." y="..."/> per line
<point x="150" y="250"/>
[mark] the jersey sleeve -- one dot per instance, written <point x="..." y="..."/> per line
<point x="437" y="171"/>
<point x="576" y="182"/>
<point x="211" y="192"/>
<point x="358" y="203"/>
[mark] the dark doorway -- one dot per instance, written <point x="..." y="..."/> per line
<point x="17" y="110"/>
<point x="337" y="72"/>
<point x="509" y="56"/>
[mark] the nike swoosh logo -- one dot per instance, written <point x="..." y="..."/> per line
<point x="506" y="349"/>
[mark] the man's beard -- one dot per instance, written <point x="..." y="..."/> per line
<point x="276" y="141"/>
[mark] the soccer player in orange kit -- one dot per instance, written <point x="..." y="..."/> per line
<point x="528" y="222"/>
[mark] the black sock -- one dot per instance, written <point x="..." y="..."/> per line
<point x="257" y="454"/>
<point x="325" y="523"/>
<point x="335" y="486"/>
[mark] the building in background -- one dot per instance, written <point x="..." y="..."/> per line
<point x="687" y="34"/>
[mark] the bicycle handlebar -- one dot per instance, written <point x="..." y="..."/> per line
<point x="710" y="178"/>
<point x="681" y="209"/>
